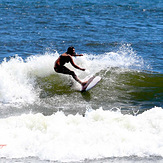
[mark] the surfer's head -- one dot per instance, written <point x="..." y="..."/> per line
<point x="71" y="50"/>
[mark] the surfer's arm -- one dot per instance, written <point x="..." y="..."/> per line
<point x="74" y="65"/>
<point x="76" y="55"/>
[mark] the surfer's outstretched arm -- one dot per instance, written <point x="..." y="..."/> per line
<point x="74" y="75"/>
<point x="76" y="55"/>
<point x="74" y="65"/>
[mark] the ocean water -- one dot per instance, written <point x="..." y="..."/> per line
<point x="43" y="115"/>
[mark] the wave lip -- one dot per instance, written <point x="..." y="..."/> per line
<point x="15" y="84"/>
<point x="18" y="78"/>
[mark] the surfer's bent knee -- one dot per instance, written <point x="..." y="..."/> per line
<point x="55" y="69"/>
<point x="72" y="73"/>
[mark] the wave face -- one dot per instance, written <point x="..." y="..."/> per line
<point x="32" y="84"/>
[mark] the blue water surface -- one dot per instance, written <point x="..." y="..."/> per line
<point x="35" y="27"/>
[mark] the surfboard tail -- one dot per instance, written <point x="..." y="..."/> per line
<point x="91" y="83"/>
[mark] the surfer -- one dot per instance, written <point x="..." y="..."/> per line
<point x="66" y="58"/>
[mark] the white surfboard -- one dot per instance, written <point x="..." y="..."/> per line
<point x="91" y="83"/>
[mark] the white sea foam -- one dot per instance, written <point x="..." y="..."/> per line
<point x="99" y="134"/>
<point x="17" y="82"/>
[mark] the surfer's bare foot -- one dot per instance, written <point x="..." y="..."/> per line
<point x="84" y="83"/>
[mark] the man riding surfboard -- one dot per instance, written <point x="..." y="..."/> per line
<point x="66" y="58"/>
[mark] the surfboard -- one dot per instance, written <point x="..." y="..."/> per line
<point x="91" y="83"/>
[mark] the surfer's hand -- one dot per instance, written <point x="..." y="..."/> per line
<point x="78" y="55"/>
<point x="83" y="69"/>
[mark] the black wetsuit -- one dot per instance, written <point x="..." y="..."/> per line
<point x="60" y="68"/>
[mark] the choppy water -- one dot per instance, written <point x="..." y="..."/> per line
<point x="45" y="116"/>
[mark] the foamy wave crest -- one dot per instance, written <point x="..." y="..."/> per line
<point x="124" y="57"/>
<point x="99" y="134"/>
<point x="17" y="76"/>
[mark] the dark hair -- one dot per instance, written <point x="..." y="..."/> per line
<point x="70" y="50"/>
